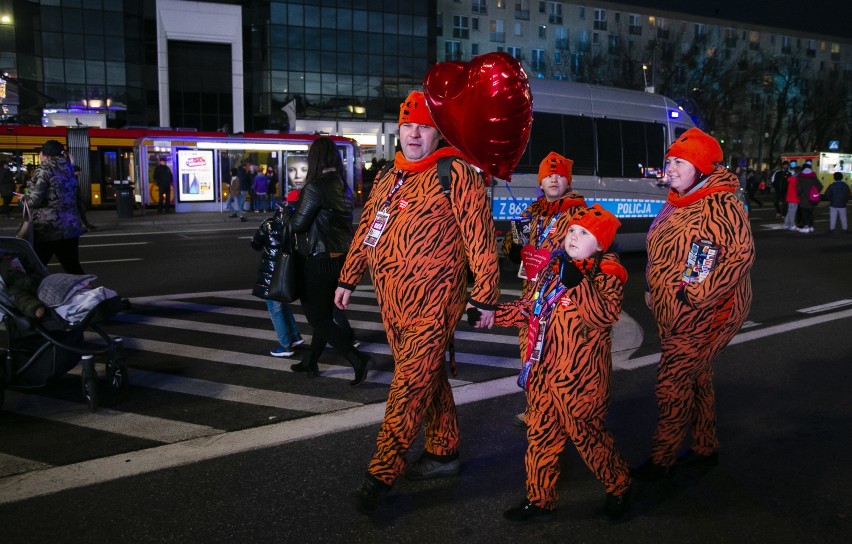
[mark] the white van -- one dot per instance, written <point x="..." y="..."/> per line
<point x="617" y="139"/>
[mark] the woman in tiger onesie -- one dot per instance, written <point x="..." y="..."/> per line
<point x="700" y="253"/>
<point x="569" y="313"/>
<point x="417" y="240"/>
<point x="541" y="228"/>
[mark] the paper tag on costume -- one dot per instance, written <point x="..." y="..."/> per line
<point x="533" y="260"/>
<point x="535" y="354"/>
<point x="701" y="260"/>
<point x="376" y="229"/>
<point x="521" y="231"/>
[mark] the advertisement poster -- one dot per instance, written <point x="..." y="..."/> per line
<point x="195" y="175"/>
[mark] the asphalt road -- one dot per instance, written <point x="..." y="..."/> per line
<point x="215" y="441"/>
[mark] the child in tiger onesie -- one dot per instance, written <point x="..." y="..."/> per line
<point x="569" y="313"/>
<point x="417" y="240"/>
<point x="541" y="228"/>
<point x="700" y="253"/>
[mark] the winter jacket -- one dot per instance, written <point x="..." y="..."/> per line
<point x="792" y="196"/>
<point x="261" y="184"/>
<point x="52" y="198"/>
<point x="837" y="194"/>
<point x="235" y="189"/>
<point x="807" y="179"/>
<point x="323" y="216"/>
<point x="267" y="239"/>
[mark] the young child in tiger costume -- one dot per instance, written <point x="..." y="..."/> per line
<point x="569" y="313"/>
<point x="541" y="228"/>
<point x="700" y="253"/>
<point x="417" y="241"/>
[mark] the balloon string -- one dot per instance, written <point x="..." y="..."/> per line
<point x="525" y="214"/>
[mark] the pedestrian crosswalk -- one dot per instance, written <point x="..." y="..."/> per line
<point x="199" y="367"/>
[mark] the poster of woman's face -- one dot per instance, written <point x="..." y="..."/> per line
<point x="297" y="171"/>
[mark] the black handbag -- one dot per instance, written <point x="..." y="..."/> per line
<point x="283" y="286"/>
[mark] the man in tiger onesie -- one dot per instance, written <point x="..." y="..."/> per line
<point x="417" y="241"/>
<point x="569" y="313"/>
<point x="542" y="227"/>
<point x="700" y="253"/>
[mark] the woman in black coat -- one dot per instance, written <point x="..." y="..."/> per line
<point x="322" y="221"/>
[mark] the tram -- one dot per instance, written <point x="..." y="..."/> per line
<point x="112" y="159"/>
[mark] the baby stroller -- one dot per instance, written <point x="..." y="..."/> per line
<point x="38" y="351"/>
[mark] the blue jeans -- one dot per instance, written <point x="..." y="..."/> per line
<point x="237" y="201"/>
<point x="260" y="202"/>
<point x="283" y="322"/>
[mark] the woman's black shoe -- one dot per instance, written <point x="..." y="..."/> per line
<point x="615" y="506"/>
<point x="368" y="497"/>
<point x="361" y="363"/>
<point x="527" y="512"/>
<point x="308" y="367"/>
<point x="649" y="471"/>
<point x="691" y="458"/>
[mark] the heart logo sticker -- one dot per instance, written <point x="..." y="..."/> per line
<point x="483" y="108"/>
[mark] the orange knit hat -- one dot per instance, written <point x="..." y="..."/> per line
<point x="414" y="110"/>
<point x="699" y="148"/>
<point x="599" y="222"/>
<point x="554" y="163"/>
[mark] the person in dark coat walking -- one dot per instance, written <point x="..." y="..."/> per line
<point x="837" y="196"/>
<point x="164" y="178"/>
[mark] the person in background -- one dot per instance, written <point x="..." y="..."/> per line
<point x="322" y="221"/>
<point x="779" y="188"/>
<point x="236" y="197"/>
<point x="541" y="229"/>
<point x="52" y="195"/>
<point x="268" y="239"/>
<point x="418" y="242"/>
<point x="837" y="195"/>
<point x="752" y="185"/>
<point x="792" y="199"/>
<point x="81" y="206"/>
<point x="260" y="188"/>
<point x="7" y="189"/>
<point x="338" y="315"/>
<point x="272" y="191"/>
<point x="164" y="178"/>
<point x="248" y="186"/>
<point x="570" y="311"/>
<point x="700" y="254"/>
<point x="807" y="180"/>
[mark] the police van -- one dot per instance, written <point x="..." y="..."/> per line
<point x="617" y="139"/>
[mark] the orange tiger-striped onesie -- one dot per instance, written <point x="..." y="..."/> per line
<point x="569" y="387"/>
<point x="541" y="214"/>
<point x="419" y="273"/>
<point x="696" y="324"/>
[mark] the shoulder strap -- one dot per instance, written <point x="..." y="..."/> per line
<point x="384" y="170"/>
<point x="445" y="173"/>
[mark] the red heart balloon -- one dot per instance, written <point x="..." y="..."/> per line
<point x="483" y="108"/>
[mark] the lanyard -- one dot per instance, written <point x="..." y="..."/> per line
<point x="544" y="303"/>
<point x="400" y="177"/>
<point x="543" y="234"/>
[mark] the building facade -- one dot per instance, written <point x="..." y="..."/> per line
<point x="212" y="65"/>
<point x="760" y="90"/>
